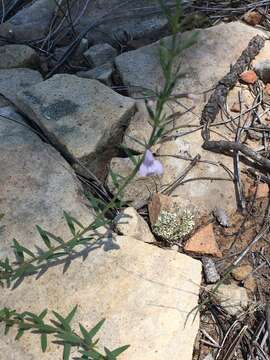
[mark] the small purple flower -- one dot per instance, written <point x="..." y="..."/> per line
<point x="150" y="166"/>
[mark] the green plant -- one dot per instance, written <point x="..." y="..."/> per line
<point x="28" y="263"/>
<point x="61" y="330"/>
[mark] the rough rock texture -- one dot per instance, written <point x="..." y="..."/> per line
<point x="202" y="70"/>
<point x="203" y="242"/>
<point x="241" y="272"/>
<point x="102" y="73"/>
<point x="158" y="204"/>
<point x="232" y="297"/>
<point x="31" y="22"/>
<point x="83" y="118"/>
<point x="100" y="54"/>
<point x="139" y="128"/>
<point x="199" y="197"/>
<point x="36" y="185"/>
<point x="140" y="189"/>
<point x="14" y="80"/>
<point x="17" y="56"/>
<point x="143" y="292"/>
<point x="131" y="223"/>
<point x="122" y="22"/>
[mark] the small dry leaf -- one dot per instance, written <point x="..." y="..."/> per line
<point x="249" y="77"/>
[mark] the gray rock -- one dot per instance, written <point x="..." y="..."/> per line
<point x="37" y="184"/>
<point x="18" y="56"/>
<point x="121" y="22"/>
<point x="102" y="73"/>
<point x="130" y="223"/>
<point x="140" y="289"/>
<point x="139" y="128"/>
<point x="100" y="54"/>
<point x="202" y="70"/>
<point x="31" y="22"/>
<point x="233" y="298"/>
<point x="262" y="69"/>
<point x="14" y="80"/>
<point x="82" y="117"/>
<point x="221" y="217"/>
<point x="210" y="271"/>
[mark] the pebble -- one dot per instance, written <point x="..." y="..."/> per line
<point x="221" y="217"/>
<point x="249" y="77"/>
<point x="210" y="271"/>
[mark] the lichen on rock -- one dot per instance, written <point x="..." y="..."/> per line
<point x="173" y="227"/>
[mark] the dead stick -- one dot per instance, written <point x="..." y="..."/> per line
<point x="225" y="146"/>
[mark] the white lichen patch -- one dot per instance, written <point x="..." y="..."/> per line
<point x="173" y="227"/>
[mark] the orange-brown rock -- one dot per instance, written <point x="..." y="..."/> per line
<point x="262" y="191"/>
<point x="250" y="284"/>
<point x="203" y="242"/>
<point x="252" y="18"/>
<point x="248" y="77"/>
<point x="158" y="203"/>
<point x="241" y="272"/>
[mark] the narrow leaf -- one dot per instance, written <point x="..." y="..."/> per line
<point x="95" y="329"/>
<point x="43" y="342"/>
<point x="44" y="236"/>
<point x="66" y="351"/>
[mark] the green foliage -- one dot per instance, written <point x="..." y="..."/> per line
<point x="62" y="333"/>
<point x="55" y="248"/>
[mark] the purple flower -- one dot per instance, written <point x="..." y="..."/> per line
<point x="150" y="166"/>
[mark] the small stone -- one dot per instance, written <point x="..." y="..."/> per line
<point x="235" y="107"/>
<point x="100" y="54"/>
<point x="252" y="18"/>
<point x="262" y="191"/>
<point x="102" y="73"/>
<point x="210" y="271"/>
<point x="262" y="69"/>
<point x="18" y="56"/>
<point x="249" y="77"/>
<point x="175" y="247"/>
<point x="203" y="242"/>
<point x="233" y="298"/>
<point x="250" y="283"/>
<point x="241" y="272"/>
<point x="267" y="89"/>
<point x="221" y="216"/>
<point x="132" y="224"/>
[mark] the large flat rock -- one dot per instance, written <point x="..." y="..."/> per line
<point x="144" y="292"/>
<point x="36" y="185"/>
<point x="82" y="117"/>
<point x="203" y="65"/>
